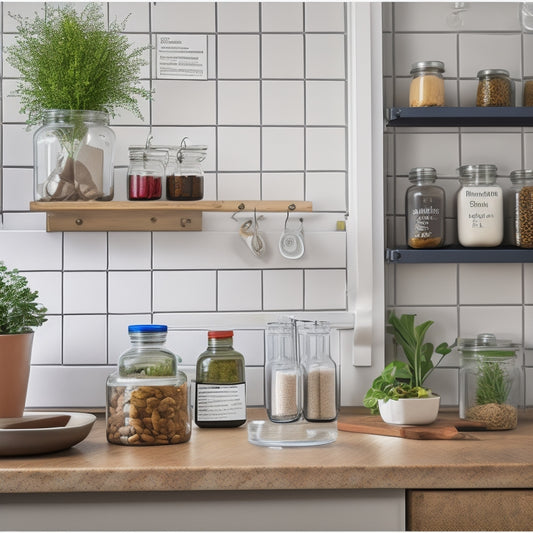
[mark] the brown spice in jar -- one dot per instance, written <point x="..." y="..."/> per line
<point x="494" y="92"/>
<point x="525" y="218"/>
<point x="185" y="187"/>
<point x="426" y="91"/>
<point x="148" y="415"/>
<point x="528" y="93"/>
<point x="430" y="242"/>
<point x="496" y="416"/>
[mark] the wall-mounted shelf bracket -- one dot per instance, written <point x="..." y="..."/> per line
<point x="148" y="216"/>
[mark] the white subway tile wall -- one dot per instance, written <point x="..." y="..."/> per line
<point x="273" y="113"/>
<point x="463" y="299"/>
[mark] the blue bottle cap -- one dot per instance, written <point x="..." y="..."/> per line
<point x="147" y="328"/>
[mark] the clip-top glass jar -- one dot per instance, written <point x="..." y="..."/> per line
<point x="220" y="383"/>
<point x="424" y="209"/>
<point x="427" y="85"/>
<point x="479" y="207"/>
<point x="73" y="155"/>
<point x="495" y="88"/>
<point x="320" y="372"/>
<point x="187" y="181"/>
<point x="146" y="172"/>
<point x="148" y="397"/>
<point x="519" y="212"/>
<point x="490" y="381"/>
<point x="282" y="374"/>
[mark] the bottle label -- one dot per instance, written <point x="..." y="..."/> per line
<point x="220" y="402"/>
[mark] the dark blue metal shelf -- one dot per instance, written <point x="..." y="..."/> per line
<point x="458" y="254"/>
<point x="459" y="116"/>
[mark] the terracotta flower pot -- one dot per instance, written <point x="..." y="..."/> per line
<point x="15" y="357"/>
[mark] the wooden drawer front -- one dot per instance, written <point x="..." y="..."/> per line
<point x="470" y="510"/>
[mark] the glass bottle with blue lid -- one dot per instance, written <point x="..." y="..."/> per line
<point x="147" y="400"/>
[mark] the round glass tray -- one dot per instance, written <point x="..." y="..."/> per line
<point x="300" y="433"/>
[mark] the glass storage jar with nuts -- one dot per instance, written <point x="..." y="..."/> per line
<point x="519" y="212"/>
<point x="427" y="85"/>
<point x="495" y="88"/>
<point x="147" y="397"/>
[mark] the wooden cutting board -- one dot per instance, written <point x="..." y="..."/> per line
<point x="441" y="429"/>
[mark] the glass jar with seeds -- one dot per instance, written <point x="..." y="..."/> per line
<point x="427" y="84"/>
<point x="320" y="372"/>
<point x="495" y="88"/>
<point x="519" y="213"/>
<point x="282" y="374"/>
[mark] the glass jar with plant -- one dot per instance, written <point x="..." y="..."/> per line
<point x="490" y="381"/>
<point x="401" y="380"/>
<point x="19" y="314"/>
<point x="75" y="73"/>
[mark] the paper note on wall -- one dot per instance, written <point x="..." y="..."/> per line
<point x="182" y="57"/>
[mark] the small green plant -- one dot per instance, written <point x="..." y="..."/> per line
<point x="493" y="386"/>
<point x="401" y="379"/>
<point x="19" y="311"/>
<point x="70" y="60"/>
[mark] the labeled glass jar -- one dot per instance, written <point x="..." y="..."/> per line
<point x="282" y="374"/>
<point x="320" y="403"/>
<point x="519" y="212"/>
<point x="145" y="173"/>
<point x="479" y="207"/>
<point x="495" y="88"/>
<point x="73" y="153"/>
<point x="147" y="401"/>
<point x="220" y="383"/>
<point x="424" y="209"/>
<point x="427" y="84"/>
<point x="187" y="181"/>
<point x="490" y="381"/>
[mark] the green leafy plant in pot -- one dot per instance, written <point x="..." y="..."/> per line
<point x="75" y="73"/>
<point x="19" y="314"/>
<point x="395" y="393"/>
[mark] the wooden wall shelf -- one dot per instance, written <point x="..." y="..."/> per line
<point x="149" y="216"/>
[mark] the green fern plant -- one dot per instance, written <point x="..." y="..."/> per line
<point x="19" y="311"/>
<point x="493" y="386"/>
<point x="70" y="60"/>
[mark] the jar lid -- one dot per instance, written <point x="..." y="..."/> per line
<point x="487" y="344"/>
<point x="481" y="172"/>
<point x="219" y="334"/>
<point x="492" y="72"/>
<point x="521" y="174"/>
<point x="147" y="328"/>
<point x="422" y="173"/>
<point x="422" y="65"/>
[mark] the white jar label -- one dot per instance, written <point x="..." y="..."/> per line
<point x="480" y="216"/>
<point x="220" y="403"/>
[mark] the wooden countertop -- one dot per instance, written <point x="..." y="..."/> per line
<point x="223" y="459"/>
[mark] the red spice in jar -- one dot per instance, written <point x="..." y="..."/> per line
<point x="144" y="187"/>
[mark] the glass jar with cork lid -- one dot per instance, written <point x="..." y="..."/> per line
<point x="427" y="84"/>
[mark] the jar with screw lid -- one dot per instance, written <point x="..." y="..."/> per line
<point x="424" y="209"/>
<point x="146" y="172"/>
<point x="495" y="88"/>
<point x="519" y="209"/>
<point x="73" y="156"/>
<point x="479" y="207"/>
<point x="187" y="181"/>
<point x="220" y="383"/>
<point x="490" y="381"/>
<point x="427" y="84"/>
<point x="147" y="401"/>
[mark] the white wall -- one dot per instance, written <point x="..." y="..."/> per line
<point x="273" y="113"/>
<point x="463" y="299"/>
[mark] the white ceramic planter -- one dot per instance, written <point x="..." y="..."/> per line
<point x="412" y="411"/>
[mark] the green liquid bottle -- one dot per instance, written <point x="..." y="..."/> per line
<point x="220" y="384"/>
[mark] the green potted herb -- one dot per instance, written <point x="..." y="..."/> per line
<point x="75" y="73"/>
<point x="19" y="314"/>
<point x="395" y="394"/>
